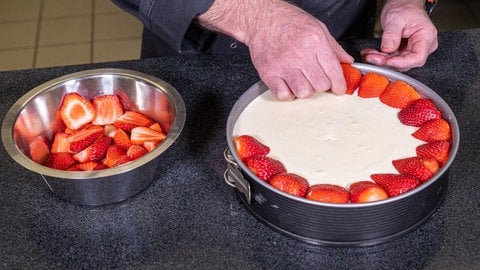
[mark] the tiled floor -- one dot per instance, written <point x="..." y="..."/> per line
<point x="42" y="33"/>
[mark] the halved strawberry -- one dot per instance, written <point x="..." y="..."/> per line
<point x="122" y="139"/>
<point x="438" y="150"/>
<point x="60" y="143"/>
<point x="418" y="112"/>
<point x="352" y="77"/>
<point x="131" y="119"/>
<point x="87" y="166"/>
<point x="328" y="193"/>
<point x="82" y="138"/>
<point x="422" y="168"/>
<point x="107" y="109"/>
<point x="76" y="111"/>
<point x="109" y="130"/>
<point x="248" y="146"/>
<point x="399" y="94"/>
<point x="366" y="191"/>
<point x="113" y="155"/>
<point x="39" y="149"/>
<point x="60" y="161"/>
<point x="94" y="152"/>
<point x="265" y="167"/>
<point x="395" y="184"/>
<point x="372" y="85"/>
<point x="156" y="126"/>
<point x="139" y="135"/>
<point x="136" y="151"/>
<point x="126" y="101"/>
<point x="151" y="145"/>
<point x="434" y="130"/>
<point x="290" y="183"/>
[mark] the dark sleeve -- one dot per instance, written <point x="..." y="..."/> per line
<point x="168" y="19"/>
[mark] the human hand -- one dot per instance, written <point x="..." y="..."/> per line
<point x="293" y="52"/>
<point x="408" y="38"/>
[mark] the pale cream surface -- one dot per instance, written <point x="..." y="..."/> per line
<point x="328" y="138"/>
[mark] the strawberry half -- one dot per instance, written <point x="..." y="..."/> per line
<point x="60" y="161"/>
<point x="113" y="155"/>
<point x="328" y="193"/>
<point x="352" y="77"/>
<point x="399" y="94"/>
<point x="60" y="143"/>
<point x="76" y="111"/>
<point x="372" y="85"/>
<point x="438" y="150"/>
<point x="39" y="149"/>
<point x="136" y="151"/>
<point x="94" y="152"/>
<point x="131" y="119"/>
<point x="395" y="184"/>
<point x="366" y="191"/>
<point x="140" y="135"/>
<point x="418" y="112"/>
<point x="290" y="183"/>
<point x="107" y="109"/>
<point x="265" y="167"/>
<point x="422" y="168"/>
<point x="434" y="130"/>
<point x="122" y="139"/>
<point x="248" y="146"/>
<point x="84" y="137"/>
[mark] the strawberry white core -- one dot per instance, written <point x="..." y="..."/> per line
<point x="328" y="138"/>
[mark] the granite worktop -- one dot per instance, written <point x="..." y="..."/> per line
<point x="189" y="218"/>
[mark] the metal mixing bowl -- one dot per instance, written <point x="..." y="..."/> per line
<point x="339" y="224"/>
<point x="37" y="110"/>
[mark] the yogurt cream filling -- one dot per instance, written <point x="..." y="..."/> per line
<point x="328" y="138"/>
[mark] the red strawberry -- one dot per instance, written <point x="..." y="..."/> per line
<point x="131" y="119"/>
<point x="422" y="168"/>
<point x="113" y="155"/>
<point x="76" y="111"/>
<point x="434" y="130"/>
<point x="60" y="161"/>
<point x="366" y="191"/>
<point x="136" y="151"/>
<point x="122" y="139"/>
<point x="84" y="137"/>
<point x="372" y="85"/>
<point x="87" y="166"/>
<point x="156" y="126"/>
<point x="438" y="150"/>
<point x="248" y="146"/>
<point x="107" y="109"/>
<point x="151" y="145"/>
<point x="94" y="152"/>
<point x="399" y="94"/>
<point x="290" y="183"/>
<point x="395" y="184"/>
<point x="60" y="143"/>
<point x="418" y="112"/>
<point x="109" y="130"/>
<point x="328" y="193"/>
<point x="139" y="135"/>
<point x="352" y="77"/>
<point x="39" y="149"/>
<point x="265" y="167"/>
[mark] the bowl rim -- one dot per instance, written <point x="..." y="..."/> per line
<point x="259" y="87"/>
<point x="12" y="114"/>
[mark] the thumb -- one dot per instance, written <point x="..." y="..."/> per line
<point x="391" y="37"/>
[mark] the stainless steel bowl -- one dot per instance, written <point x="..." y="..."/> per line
<point x="339" y="224"/>
<point x="37" y="110"/>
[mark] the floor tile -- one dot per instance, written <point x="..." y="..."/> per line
<point x="105" y="51"/>
<point x="62" y="8"/>
<point x="117" y="26"/>
<point x="65" y="30"/>
<point x="18" y="34"/>
<point x="106" y="6"/>
<point x="63" y="55"/>
<point x="16" y="59"/>
<point x="19" y="10"/>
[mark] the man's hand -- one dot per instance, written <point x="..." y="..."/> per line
<point x="408" y="38"/>
<point x="293" y="52"/>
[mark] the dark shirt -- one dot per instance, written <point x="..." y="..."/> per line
<point x="170" y="27"/>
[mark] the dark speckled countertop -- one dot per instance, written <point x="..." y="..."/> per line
<point x="189" y="218"/>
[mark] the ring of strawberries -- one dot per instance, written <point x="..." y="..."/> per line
<point x="96" y="134"/>
<point x="415" y="111"/>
